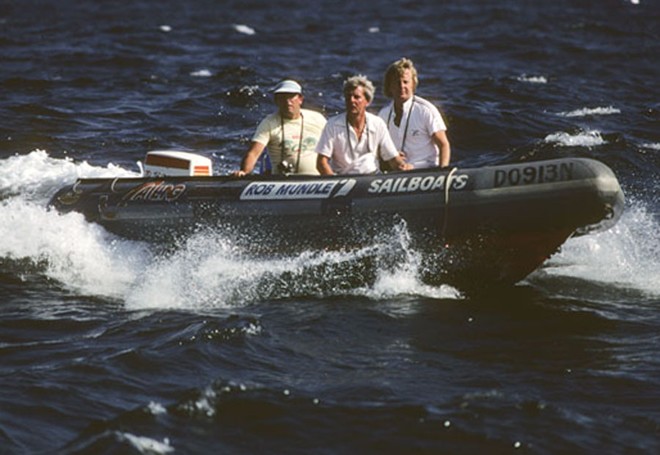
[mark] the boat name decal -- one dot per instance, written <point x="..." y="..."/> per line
<point x="528" y="175"/>
<point x="312" y="189"/>
<point x="157" y="191"/>
<point x="417" y="183"/>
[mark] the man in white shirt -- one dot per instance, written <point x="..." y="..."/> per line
<point x="290" y="134"/>
<point x="353" y="142"/>
<point x="415" y="124"/>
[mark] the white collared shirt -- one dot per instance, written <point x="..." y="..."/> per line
<point x="355" y="157"/>
<point x="418" y="129"/>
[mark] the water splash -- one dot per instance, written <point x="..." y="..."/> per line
<point x="581" y="139"/>
<point x="204" y="271"/>
<point x="65" y="248"/>
<point x="532" y="79"/>
<point x="626" y="256"/>
<point x="36" y="176"/>
<point x="145" y="444"/>
<point x="245" y="29"/>
<point x="584" y="112"/>
<point x="208" y="271"/>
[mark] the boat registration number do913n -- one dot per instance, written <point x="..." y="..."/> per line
<point x="528" y="175"/>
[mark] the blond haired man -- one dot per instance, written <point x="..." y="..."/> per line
<point x="415" y="124"/>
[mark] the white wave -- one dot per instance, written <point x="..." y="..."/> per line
<point x="201" y="73"/>
<point x="406" y="282"/>
<point x="165" y="28"/>
<point x="241" y="28"/>
<point x="405" y="279"/>
<point x="37" y="175"/>
<point x="532" y="79"/>
<point x="146" y="445"/>
<point x="374" y="29"/>
<point x="205" y="404"/>
<point x="155" y="408"/>
<point x="208" y="272"/>
<point x="581" y="139"/>
<point x="81" y="255"/>
<point x="584" y="112"/>
<point x="627" y="255"/>
<point x="651" y="146"/>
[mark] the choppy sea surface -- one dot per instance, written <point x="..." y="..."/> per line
<point x="114" y="346"/>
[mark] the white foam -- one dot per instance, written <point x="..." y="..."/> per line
<point x="209" y="272"/>
<point x="201" y="73"/>
<point x="405" y="280"/>
<point x="581" y="139"/>
<point x="146" y="445"/>
<point x="584" y="112"/>
<point x="165" y="28"/>
<point x="627" y="255"/>
<point x="206" y="272"/>
<point x="81" y="255"/>
<point x="37" y="175"/>
<point x="156" y="408"/>
<point x="241" y="28"/>
<point x="532" y="79"/>
<point x="651" y="146"/>
<point x="205" y="404"/>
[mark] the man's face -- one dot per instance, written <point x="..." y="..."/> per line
<point x="402" y="88"/>
<point x="356" y="101"/>
<point x="288" y="104"/>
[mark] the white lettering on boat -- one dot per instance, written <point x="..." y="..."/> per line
<point x="312" y="189"/>
<point x="156" y="191"/>
<point x="416" y="183"/>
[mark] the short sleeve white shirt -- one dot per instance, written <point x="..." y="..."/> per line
<point x="420" y="120"/>
<point x="347" y="154"/>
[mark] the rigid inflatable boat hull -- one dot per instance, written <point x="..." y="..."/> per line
<point x="501" y="220"/>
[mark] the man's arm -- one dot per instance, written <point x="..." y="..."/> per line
<point x="323" y="165"/>
<point x="250" y="159"/>
<point x="441" y="140"/>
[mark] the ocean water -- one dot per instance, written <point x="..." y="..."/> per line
<point x="115" y="346"/>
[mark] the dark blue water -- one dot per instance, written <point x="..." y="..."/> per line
<point x="114" y="346"/>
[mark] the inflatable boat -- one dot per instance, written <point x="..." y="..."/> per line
<point x="494" y="224"/>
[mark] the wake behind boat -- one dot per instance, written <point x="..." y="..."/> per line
<point x="494" y="224"/>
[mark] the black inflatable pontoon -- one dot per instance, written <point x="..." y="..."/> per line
<point x="493" y="224"/>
